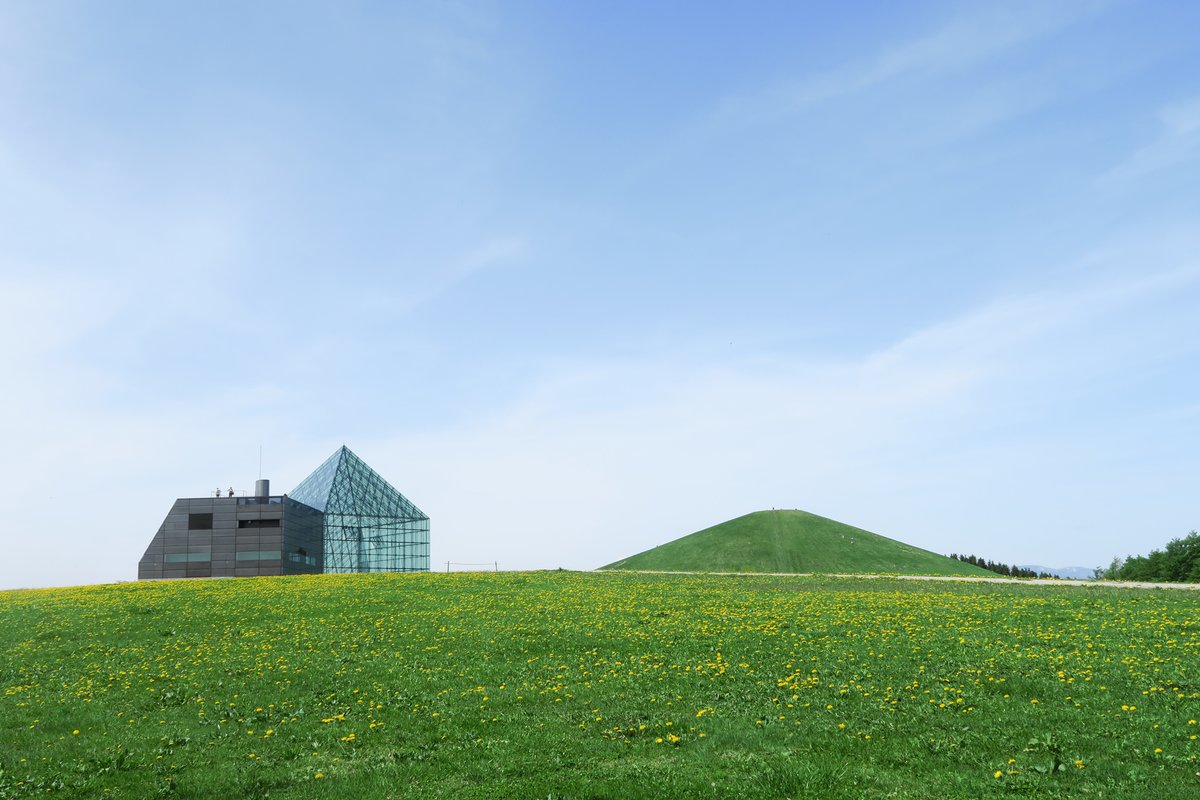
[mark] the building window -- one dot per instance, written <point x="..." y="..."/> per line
<point x="200" y="522"/>
<point x="184" y="558"/>
<point x="258" y="523"/>
<point x="259" y="555"/>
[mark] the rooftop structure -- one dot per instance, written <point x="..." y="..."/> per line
<point x="343" y="517"/>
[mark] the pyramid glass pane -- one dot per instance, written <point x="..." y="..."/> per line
<point x="369" y="526"/>
<point x="313" y="491"/>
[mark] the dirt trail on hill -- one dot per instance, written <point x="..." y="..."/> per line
<point x="966" y="578"/>
<point x="1050" y="582"/>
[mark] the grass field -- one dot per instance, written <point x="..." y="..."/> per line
<point x="787" y="540"/>
<point x="616" y="685"/>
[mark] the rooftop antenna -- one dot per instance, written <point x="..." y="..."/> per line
<point x="260" y="461"/>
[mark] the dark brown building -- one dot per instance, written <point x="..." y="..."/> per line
<point x="209" y="537"/>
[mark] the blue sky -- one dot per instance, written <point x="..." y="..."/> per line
<point x="582" y="278"/>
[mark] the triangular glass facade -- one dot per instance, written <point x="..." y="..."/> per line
<point x="369" y="526"/>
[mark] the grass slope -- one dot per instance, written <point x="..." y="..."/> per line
<point x="792" y="541"/>
<point x="597" y="685"/>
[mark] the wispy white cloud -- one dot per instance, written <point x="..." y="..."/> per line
<point x="430" y="281"/>
<point x="490" y="254"/>
<point x="1177" y="143"/>
<point x="972" y="37"/>
<point x="40" y="316"/>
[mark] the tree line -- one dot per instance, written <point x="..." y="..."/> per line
<point x="1178" y="562"/>
<point x="1008" y="570"/>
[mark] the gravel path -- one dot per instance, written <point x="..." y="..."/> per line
<point x="1055" y="582"/>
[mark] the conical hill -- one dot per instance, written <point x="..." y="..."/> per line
<point x="791" y="542"/>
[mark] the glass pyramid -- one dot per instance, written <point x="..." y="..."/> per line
<point x="369" y="526"/>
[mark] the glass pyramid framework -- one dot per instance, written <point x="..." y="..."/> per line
<point x="369" y="526"/>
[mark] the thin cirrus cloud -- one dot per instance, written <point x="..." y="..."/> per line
<point x="971" y="38"/>
<point x="491" y="254"/>
<point x="436" y="279"/>
<point x="1177" y="143"/>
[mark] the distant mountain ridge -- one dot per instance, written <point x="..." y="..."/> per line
<point x="1075" y="573"/>
<point x="792" y="541"/>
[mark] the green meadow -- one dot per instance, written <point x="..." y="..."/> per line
<point x="598" y="685"/>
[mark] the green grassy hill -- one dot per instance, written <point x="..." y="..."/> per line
<point x="792" y="541"/>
